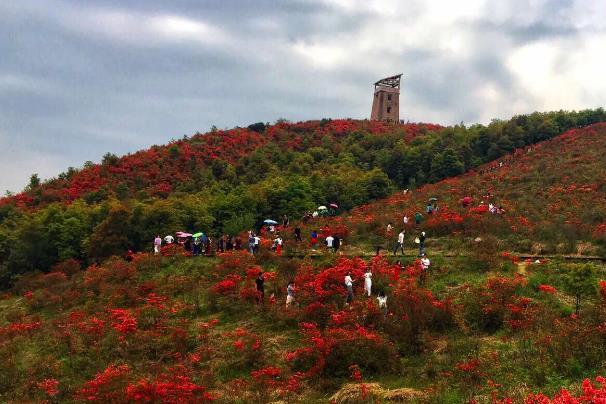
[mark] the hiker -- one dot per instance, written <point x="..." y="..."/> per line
<point x="197" y="246"/>
<point x="382" y="300"/>
<point x="418" y="218"/>
<point x="298" y="234"/>
<point x="349" y="286"/>
<point x="207" y="246"/>
<point x="203" y="243"/>
<point x="251" y="243"/>
<point x="221" y="244"/>
<point x="389" y="229"/>
<point x="169" y="239"/>
<point x="285" y="221"/>
<point x="257" y="243"/>
<point x="425" y="262"/>
<point x="290" y="294"/>
<point x="259" y="286"/>
<point x="336" y="244"/>
<point x="400" y="242"/>
<point x="429" y="208"/>
<point x="314" y="239"/>
<point x="368" y="281"/>
<point x="421" y="239"/>
<point x="329" y="242"/>
<point x="237" y="243"/>
<point x="229" y="243"/>
<point x="157" y="245"/>
<point x="130" y="255"/>
<point x="405" y="220"/>
<point x="187" y="244"/>
<point x="278" y="243"/>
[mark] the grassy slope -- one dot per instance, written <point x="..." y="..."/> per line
<point x="552" y="193"/>
<point x="557" y="182"/>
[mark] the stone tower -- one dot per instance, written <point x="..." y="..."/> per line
<point x="386" y="102"/>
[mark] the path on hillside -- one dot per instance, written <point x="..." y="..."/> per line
<point x="567" y="257"/>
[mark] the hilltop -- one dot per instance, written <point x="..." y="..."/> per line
<point x="479" y="325"/>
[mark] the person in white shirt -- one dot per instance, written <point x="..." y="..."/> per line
<point x="329" y="241"/>
<point x="278" y="245"/>
<point x="169" y="239"/>
<point x="368" y="281"/>
<point x="405" y="220"/>
<point x="400" y="243"/>
<point x="157" y="245"/>
<point x="382" y="300"/>
<point x="257" y="243"/>
<point x="349" y="286"/>
<point x="290" y="294"/>
<point x="425" y="263"/>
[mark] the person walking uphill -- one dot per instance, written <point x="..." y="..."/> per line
<point x="314" y="239"/>
<point x="349" y="286"/>
<point x="330" y="242"/>
<point x="400" y="243"/>
<point x="368" y="282"/>
<point x="418" y="218"/>
<point x="422" y="244"/>
<point x="157" y="244"/>
<point x="298" y="234"/>
<point x="260" y="287"/>
<point x="290" y="294"/>
<point x="251" y="243"/>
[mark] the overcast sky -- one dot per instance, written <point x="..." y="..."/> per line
<point x="81" y="78"/>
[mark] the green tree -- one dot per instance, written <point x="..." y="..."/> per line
<point x="110" y="237"/>
<point x="447" y="164"/>
<point x="580" y="280"/>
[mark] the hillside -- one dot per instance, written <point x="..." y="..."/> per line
<point x="180" y="165"/>
<point x="225" y="182"/>
<point x="551" y="194"/>
<point x="480" y="325"/>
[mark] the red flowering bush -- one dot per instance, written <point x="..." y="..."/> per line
<point x="107" y="385"/>
<point x="490" y="305"/>
<point x="50" y="387"/>
<point x="174" y="387"/>
<point x="329" y="352"/>
<point x="591" y="394"/>
<point x="547" y="289"/>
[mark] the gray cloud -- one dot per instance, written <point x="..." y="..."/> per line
<point x="78" y="79"/>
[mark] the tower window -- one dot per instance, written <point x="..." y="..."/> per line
<point x="388" y="110"/>
<point x="388" y="97"/>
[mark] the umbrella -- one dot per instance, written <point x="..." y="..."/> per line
<point x="334" y="205"/>
<point x="196" y="235"/>
<point x="181" y="234"/>
<point x="433" y="199"/>
<point x="322" y="207"/>
<point x="269" y="221"/>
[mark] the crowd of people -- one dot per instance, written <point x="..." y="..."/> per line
<point x="202" y="244"/>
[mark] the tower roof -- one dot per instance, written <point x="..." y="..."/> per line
<point x="393" y="81"/>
